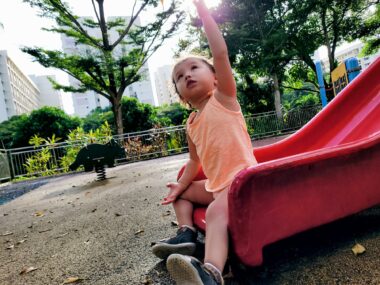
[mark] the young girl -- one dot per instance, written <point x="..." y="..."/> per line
<point x="219" y="142"/>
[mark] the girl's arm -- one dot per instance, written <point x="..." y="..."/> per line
<point x="192" y="166"/>
<point x="191" y="170"/>
<point x="226" y="82"/>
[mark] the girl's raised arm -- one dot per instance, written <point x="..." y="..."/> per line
<point x="226" y="82"/>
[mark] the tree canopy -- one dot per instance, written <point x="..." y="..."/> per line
<point x="102" y="64"/>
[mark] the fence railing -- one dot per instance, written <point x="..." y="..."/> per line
<point x="149" y="144"/>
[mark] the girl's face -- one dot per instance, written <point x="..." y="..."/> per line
<point x="193" y="79"/>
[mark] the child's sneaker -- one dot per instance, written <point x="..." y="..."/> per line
<point x="187" y="270"/>
<point x="183" y="243"/>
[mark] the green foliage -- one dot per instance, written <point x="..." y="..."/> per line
<point x="370" y="33"/>
<point x="174" y="114"/>
<point x="79" y="138"/>
<point x="43" y="161"/>
<point x="44" y="122"/>
<point x="9" y="131"/>
<point x="137" y="116"/>
<point x="254" y="97"/>
<point x="98" y="117"/>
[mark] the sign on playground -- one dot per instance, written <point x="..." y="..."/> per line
<point x="339" y="78"/>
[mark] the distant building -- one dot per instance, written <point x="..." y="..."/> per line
<point x="48" y="95"/>
<point x="18" y="94"/>
<point x="84" y="103"/>
<point x="164" y="87"/>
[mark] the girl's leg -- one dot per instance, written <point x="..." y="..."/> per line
<point x="184" y="241"/>
<point x="216" y="231"/>
<point x="183" y="206"/>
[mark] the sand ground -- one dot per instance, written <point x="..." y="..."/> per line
<point x="101" y="232"/>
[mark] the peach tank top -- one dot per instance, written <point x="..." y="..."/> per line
<point x="222" y="142"/>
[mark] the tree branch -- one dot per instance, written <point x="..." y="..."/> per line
<point x="78" y="27"/>
<point x="132" y="20"/>
<point x="299" y="89"/>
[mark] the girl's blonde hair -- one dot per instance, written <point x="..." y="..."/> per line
<point x="205" y="60"/>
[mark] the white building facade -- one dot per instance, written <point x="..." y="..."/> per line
<point x="164" y="87"/>
<point x="18" y="94"/>
<point x="48" y="95"/>
<point x="84" y="103"/>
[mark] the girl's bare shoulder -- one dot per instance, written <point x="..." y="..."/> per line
<point x="229" y="102"/>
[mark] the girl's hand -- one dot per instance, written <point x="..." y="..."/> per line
<point x="175" y="189"/>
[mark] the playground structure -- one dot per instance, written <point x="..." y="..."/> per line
<point x="325" y="171"/>
<point x="97" y="156"/>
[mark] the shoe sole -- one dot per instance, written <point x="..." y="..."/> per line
<point x="163" y="250"/>
<point x="182" y="271"/>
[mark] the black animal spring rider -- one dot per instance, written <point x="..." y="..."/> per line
<point x="97" y="156"/>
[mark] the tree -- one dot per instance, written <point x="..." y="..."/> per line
<point x="137" y="116"/>
<point x="98" y="117"/>
<point x="45" y="123"/>
<point x="9" y="133"/>
<point x="254" y="97"/>
<point x="266" y="37"/>
<point x="176" y="114"/>
<point x="339" y="21"/>
<point x="370" y="33"/>
<point x="105" y="67"/>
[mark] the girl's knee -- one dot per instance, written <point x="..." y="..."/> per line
<point x="217" y="210"/>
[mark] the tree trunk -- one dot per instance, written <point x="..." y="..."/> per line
<point x="277" y="96"/>
<point x="116" y="108"/>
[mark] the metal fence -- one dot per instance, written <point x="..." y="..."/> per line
<point x="147" y="144"/>
<point x="268" y="124"/>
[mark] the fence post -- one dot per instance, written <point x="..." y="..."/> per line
<point x="10" y="163"/>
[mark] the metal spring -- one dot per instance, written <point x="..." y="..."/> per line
<point x="101" y="172"/>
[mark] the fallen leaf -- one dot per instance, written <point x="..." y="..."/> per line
<point x="117" y="214"/>
<point x="21" y="241"/>
<point x="71" y="280"/>
<point x="39" y="214"/>
<point x="44" y="231"/>
<point x="7" y="234"/>
<point x="62" y="235"/>
<point x="174" y="223"/>
<point x="358" y="249"/>
<point x="147" y="281"/>
<point x="11" y="247"/>
<point x="139" y="232"/>
<point x="27" y="270"/>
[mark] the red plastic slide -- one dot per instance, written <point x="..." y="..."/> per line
<point x="327" y="170"/>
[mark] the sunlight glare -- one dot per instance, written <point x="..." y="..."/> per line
<point x="212" y="3"/>
<point x="189" y="6"/>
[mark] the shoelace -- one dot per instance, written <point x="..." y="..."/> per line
<point x="214" y="273"/>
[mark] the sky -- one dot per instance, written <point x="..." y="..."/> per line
<point x="22" y="27"/>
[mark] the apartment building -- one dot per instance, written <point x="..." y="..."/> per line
<point x="48" y="95"/>
<point x="164" y="87"/>
<point x="18" y="94"/>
